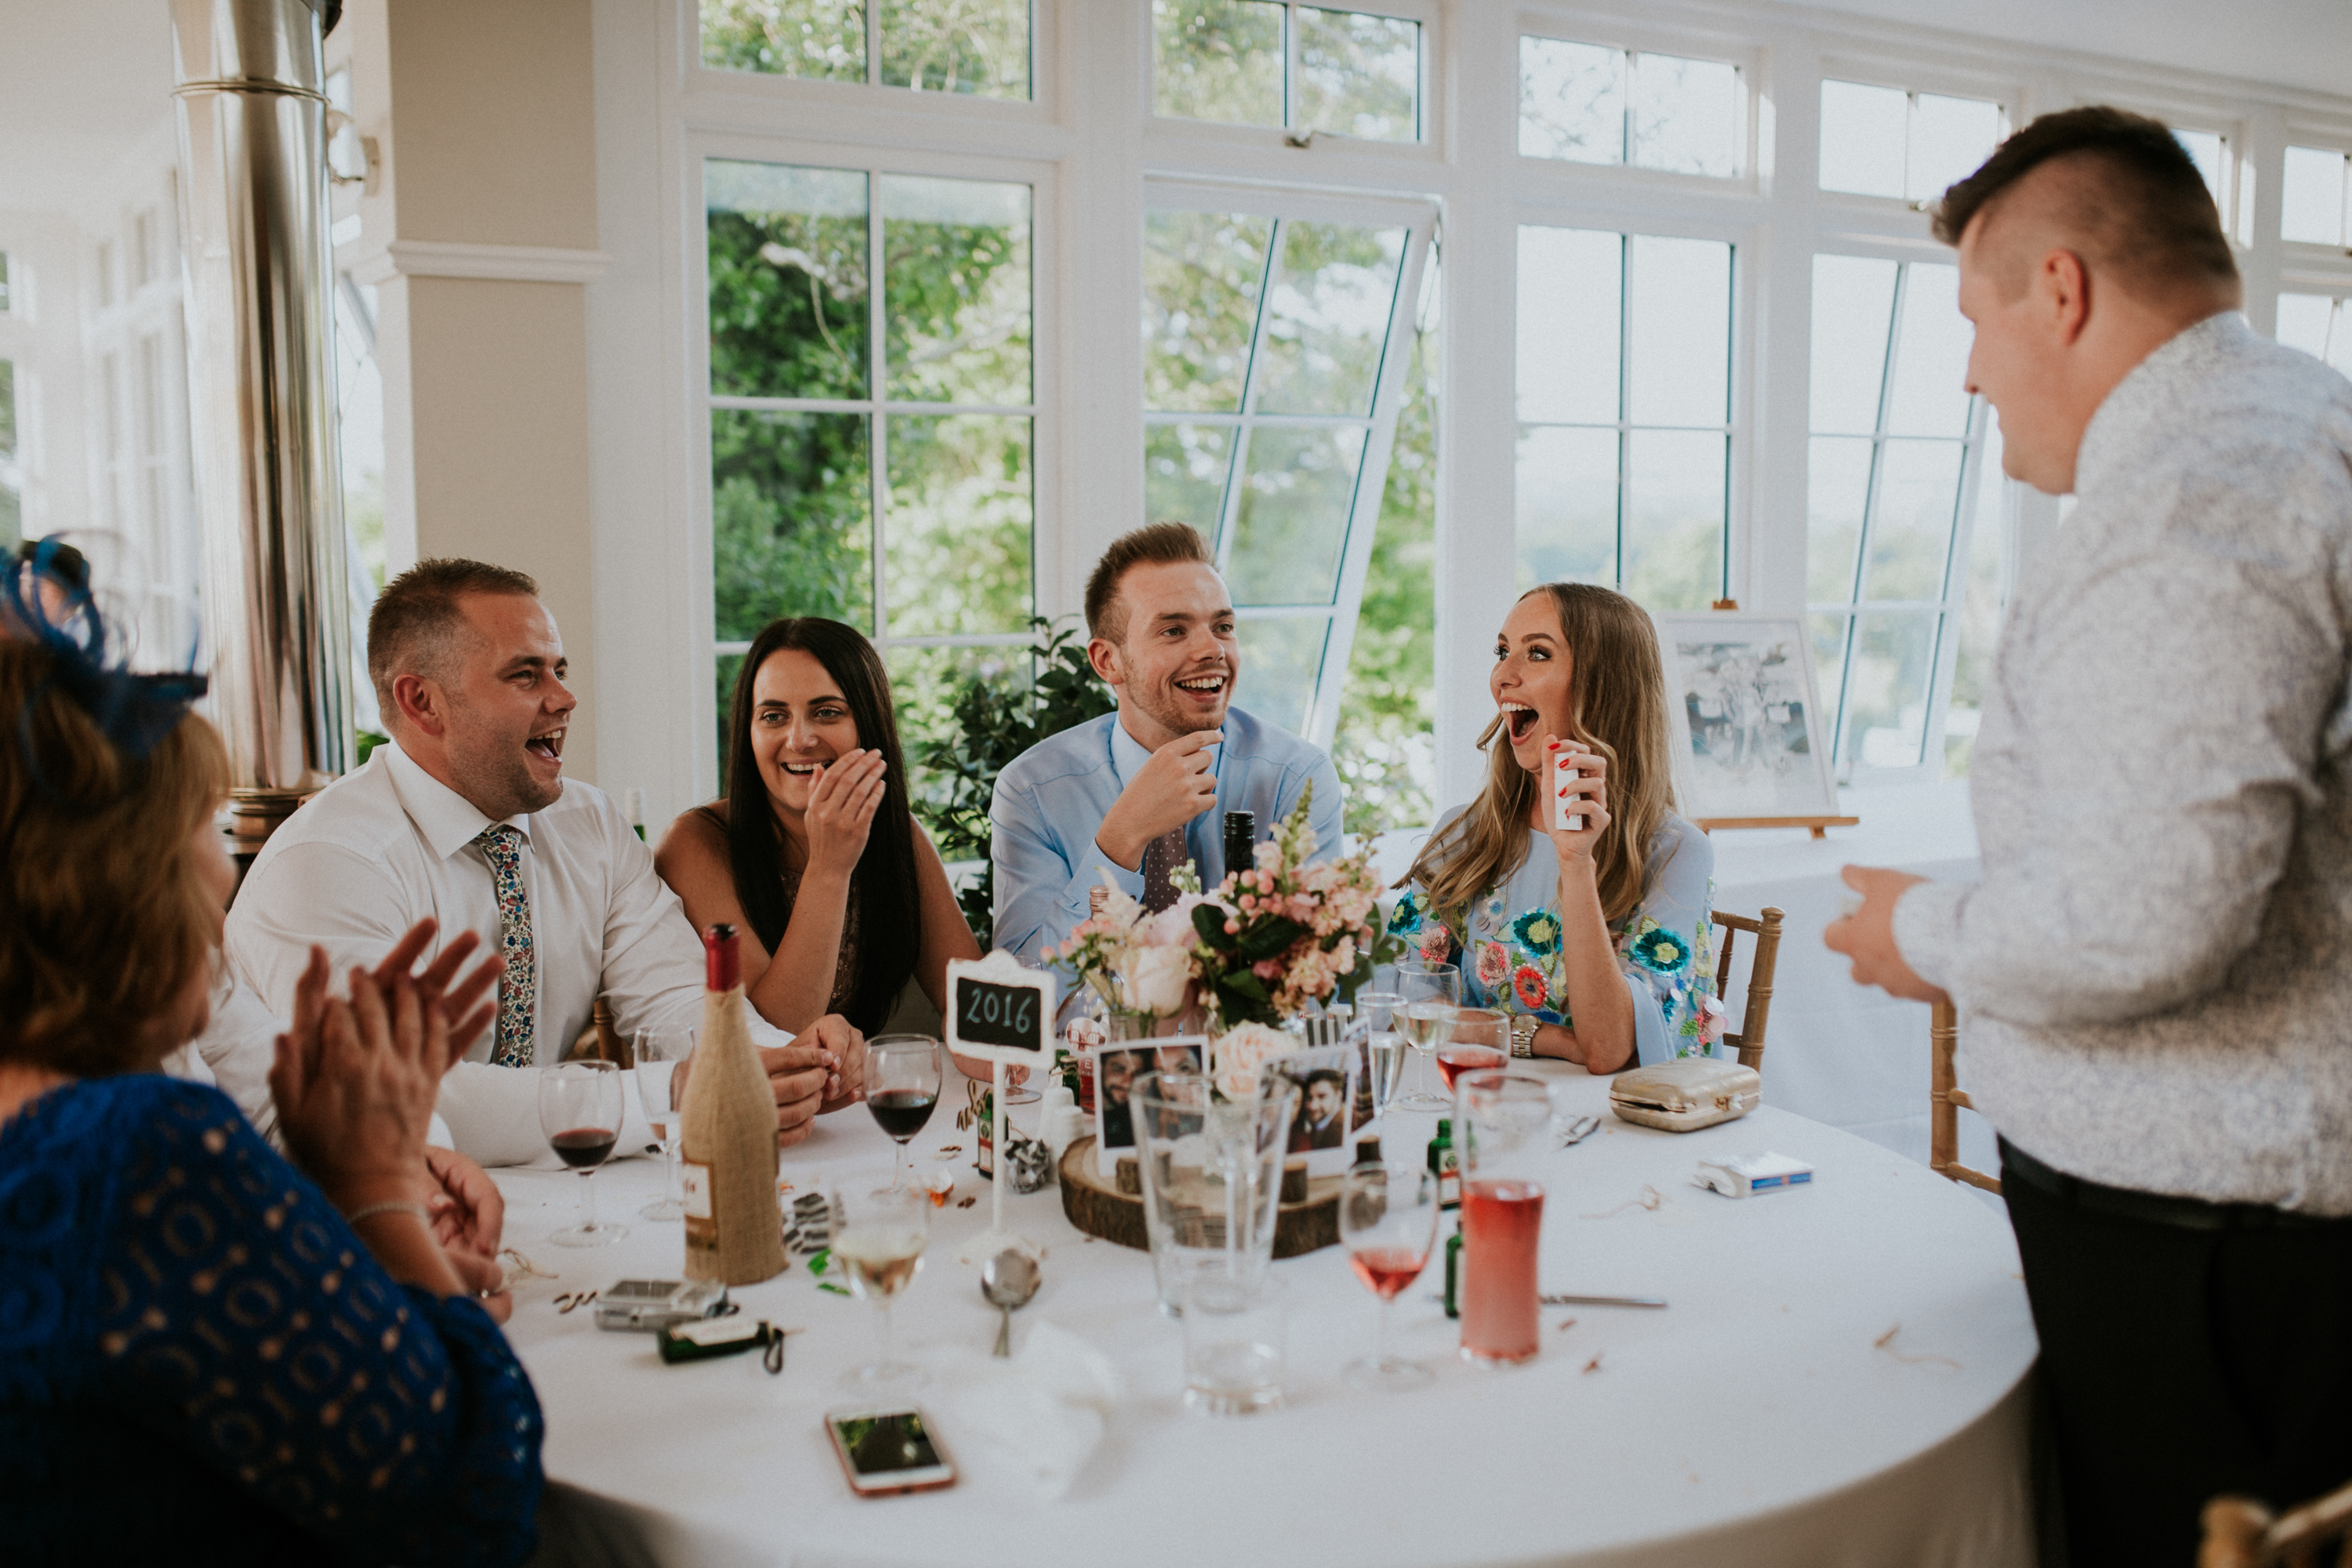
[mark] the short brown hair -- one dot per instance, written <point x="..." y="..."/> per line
<point x="104" y="918"/>
<point x="415" y="619"/>
<point x="2144" y="211"/>
<point x="1154" y="543"/>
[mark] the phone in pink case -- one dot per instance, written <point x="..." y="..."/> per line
<point x="1563" y="791"/>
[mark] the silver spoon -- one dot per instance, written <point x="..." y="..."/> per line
<point x="1008" y="1280"/>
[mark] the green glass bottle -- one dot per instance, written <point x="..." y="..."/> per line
<point x="1453" y="1274"/>
<point x="1445" y="1165"/>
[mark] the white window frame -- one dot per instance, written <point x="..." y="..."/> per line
<point x="1090" y="136"/>
<point x="1419" y="220"/>
<point x="876" y="409"/>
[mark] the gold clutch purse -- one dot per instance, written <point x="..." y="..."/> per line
<point x="1686" y="1094"/>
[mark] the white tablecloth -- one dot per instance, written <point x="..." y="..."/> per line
<point x="1759" y="1420"/>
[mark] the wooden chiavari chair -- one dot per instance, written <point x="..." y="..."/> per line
<point x="1947" y="1099"/>
<point x="1765" y="927"/>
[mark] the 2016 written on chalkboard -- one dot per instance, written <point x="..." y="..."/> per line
<point x="990" y="1015"/>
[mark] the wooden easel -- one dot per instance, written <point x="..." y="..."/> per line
<point x="1820" y="824"/>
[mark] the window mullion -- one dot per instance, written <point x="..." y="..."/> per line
<point x="1624" y="389"/>
<point x="877" y="356"/>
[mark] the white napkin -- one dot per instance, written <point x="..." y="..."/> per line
<point x="1035" y="1419"/>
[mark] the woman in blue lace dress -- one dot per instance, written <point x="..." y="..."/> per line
<point x="207" y="1356"/>
<point x="1601" y="935"/>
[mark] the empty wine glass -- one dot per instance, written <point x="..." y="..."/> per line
<point x="579" y="1111"/>
<point x="879" y="1243"/>
<point x="1431" y="992"/>
<point x="902" y="1086"/>
<point x="1388" y="1222"/>
<point x="658" y="1052"/>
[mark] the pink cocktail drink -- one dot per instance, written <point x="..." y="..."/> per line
<point x="1502" y="1222"/>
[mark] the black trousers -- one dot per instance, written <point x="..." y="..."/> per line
<point x="2187" y="1350"/>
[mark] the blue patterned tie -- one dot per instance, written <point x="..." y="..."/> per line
<point x="518" y="987"/>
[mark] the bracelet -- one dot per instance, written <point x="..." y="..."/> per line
<point x="391" y="1205"/>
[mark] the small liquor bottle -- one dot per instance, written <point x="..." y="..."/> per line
<point x="1446" y="1164"/>
<point x="1241" y="841"/>
<point x="635" y="806"/>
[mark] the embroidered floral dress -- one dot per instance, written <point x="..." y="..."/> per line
<point x="1508" y="944"/>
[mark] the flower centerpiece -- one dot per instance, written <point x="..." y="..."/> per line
<point x="1140" y="965"/>
<point x="1277" y="935"/>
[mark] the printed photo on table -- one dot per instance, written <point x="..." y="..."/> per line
<point x="1117" y="1067"/>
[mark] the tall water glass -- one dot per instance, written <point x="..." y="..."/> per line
<point x="1384" y="1047"/>
<point x="658" y="1052"/>
<point x="1500" y="1120"/>
<point x="1431" y="992"/>
<point x="1211" y="1174"/>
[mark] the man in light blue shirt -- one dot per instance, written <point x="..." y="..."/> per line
<point x="1160" y="774"/>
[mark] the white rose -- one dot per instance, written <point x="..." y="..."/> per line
<point x="1157" y="980"/>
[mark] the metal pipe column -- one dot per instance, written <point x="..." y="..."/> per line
<point x="259" y="275"/>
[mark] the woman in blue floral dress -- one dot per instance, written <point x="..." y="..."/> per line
<point x="1601" y="935"/>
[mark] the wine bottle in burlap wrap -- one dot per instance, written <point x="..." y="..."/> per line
<point x="734" y="1227"/>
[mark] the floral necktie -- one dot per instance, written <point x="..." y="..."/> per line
<point x="518" y="987"/>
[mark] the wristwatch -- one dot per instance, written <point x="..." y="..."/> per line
<point x="1523" y="1034"/>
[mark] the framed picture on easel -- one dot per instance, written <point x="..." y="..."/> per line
<point x="1750" y="746"/>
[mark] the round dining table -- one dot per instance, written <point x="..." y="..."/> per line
<point x="1839" y="1376"/>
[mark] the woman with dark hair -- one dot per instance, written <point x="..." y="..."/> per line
<point x="1594" y="939"/>
<point x="208" y="1354"/>
<point x="813" y="852"/>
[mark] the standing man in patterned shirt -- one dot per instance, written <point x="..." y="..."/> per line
<point x="2155" y="1011"/>
<point x="466" y="817"/>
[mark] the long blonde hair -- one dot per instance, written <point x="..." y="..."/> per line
<point x="1617" y="708"/>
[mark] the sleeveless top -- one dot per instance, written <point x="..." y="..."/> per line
<point x="844" y="966"/>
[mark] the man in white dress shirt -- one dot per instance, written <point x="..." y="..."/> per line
<point x="465" y="818"/>
<point x="2149" y="973"/>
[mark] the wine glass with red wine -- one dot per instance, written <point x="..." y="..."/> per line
<point x="1388" y="1222"/>
<point x="902" y="1086"/>
<point x="579" y="1111"/>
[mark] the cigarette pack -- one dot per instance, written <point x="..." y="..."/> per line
<point x="1563" y="791"/>
<point x="1744" y="1175"/>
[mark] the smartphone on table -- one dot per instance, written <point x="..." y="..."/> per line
<point x="885" y="1450"/>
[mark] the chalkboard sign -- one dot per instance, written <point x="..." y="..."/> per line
<point x="1000" y="1010"/>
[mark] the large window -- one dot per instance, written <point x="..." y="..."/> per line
<point x="978" y="47"/>
<point x="1274" y="349"/>
<point x="1895" y="438"/>
<point x="1624" y="408"/>
<point x="1307" y="68"/>
<point x="871" y="427"/>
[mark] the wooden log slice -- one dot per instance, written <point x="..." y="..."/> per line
<point x="1095" y="1204"/>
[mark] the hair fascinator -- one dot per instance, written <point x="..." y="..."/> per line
<point x="45" y="598"/>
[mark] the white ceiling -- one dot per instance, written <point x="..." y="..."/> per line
<point x="83" y="81"/>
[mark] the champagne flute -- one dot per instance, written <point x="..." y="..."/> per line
<point x="1382" y="1044"/>
<point x="658" y="1052"/>
<point x="1388" y="1222"/>
<point x="902" y="1085"/>
<point x="1431" y="992"/>
<point x="579" y="1111"/>
<point x="879" y="1245"/>
<point x="1479" y="1040"/>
